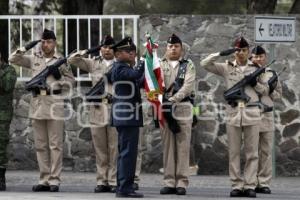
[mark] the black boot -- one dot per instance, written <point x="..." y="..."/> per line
<point x="2" y="179"/>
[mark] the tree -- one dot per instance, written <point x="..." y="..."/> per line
<point x="261" y="6"/>
<point x="295" y="7"/>
<point x="78" y="7"/>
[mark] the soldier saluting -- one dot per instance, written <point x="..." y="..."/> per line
<point x="8" y="79"/>
<point x="266" y="131"/>
<point x="104" y="136"/>
<point x="46" y="109"/>
<point x="179" y="78"/>
<point x="242" y="116"/>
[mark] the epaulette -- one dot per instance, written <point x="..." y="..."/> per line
<point x="163" y="59"/>
<point x="253" y="65"/>
<point x="38" y="54"/>
<point x="228" y="62"/>
<point x="183" y="60"/>
<point x="98" y="58"/>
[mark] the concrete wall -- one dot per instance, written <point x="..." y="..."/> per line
<point x="201" y="35"/>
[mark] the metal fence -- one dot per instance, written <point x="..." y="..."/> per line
<point x="116" y="25"/>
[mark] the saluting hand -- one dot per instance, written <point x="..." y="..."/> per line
<point x="228" y="52"/>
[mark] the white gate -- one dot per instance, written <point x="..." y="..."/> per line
<point x="116" y="25"/>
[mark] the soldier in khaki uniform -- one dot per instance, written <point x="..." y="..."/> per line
<point x="243" y="118"/>
<point x="104" y="136"/>
<point x="264" y="173"/>
<point x="176" y="147"/>
<point x="47" y="110"/>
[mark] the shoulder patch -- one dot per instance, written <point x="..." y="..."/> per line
<point x="191" y="66"/>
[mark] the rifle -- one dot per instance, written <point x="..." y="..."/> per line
<point x="38" y="83"/>
<point x="275" y="76"/>
<point x="236" y="92"/>
<point x="98" y="90"/>
<point x="168" y="115"/>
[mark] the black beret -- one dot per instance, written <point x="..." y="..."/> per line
<point x="258" y="50"/>
<point x="241" y="43"/>
<point x="107" y="41"/>
<point x="125" y="43"/>
<point x="48" y="34"/>
<point x="174" y="39"/>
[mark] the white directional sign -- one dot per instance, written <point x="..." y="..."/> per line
<point x="274" y="29"/>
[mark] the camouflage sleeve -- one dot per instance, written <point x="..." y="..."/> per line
<point x="210" y="65"/>
<point x="8" y="80"/>
<point x="188" y="85"/>
<point x="19" y="58"/>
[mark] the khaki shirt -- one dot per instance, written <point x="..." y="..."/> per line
<point x="267" y="122"/>
<point x="99" y="115"/>
<point x="48" y="106"/>
<point x="240" y="115"/>
<point x="170" y="74"/>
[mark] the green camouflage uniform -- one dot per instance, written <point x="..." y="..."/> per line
<point x="7" y="83"/>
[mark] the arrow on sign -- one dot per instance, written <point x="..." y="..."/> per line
<point x="260" y="29"/>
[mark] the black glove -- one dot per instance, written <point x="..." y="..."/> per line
<point x="31" y="44"/>
<point x="227" y="52"/>
<point x="168" y="115"/>
<point x="93" y="50"/>
<point x="272" y="84"/>
<point x="55" y="72"/>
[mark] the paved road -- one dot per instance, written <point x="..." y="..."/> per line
<point x="77" y="186"/>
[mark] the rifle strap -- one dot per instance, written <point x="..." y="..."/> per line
<point x="180" y="74"/>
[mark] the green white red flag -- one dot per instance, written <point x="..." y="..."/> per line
<point x="154" y="83"/>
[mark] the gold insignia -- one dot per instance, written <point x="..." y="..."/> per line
<point x="241" y="104"/>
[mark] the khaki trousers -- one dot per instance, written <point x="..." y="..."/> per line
<point x="105" y="142"/>
<point x="264" y="173"/>
<point x="48" y="140"/>
<point x="176" y="155"/>
<point x="251" y="134"/>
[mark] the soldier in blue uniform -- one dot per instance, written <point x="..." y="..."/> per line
<point x="127" y="115"/>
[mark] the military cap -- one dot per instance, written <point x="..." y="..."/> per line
<point x="174" y="39"/>
<point x="48" y="34"/>
<point x="258" y="50"/>
<point x="107" y="41"/>
<point x="124" y="44"/>
<point x="241" y="42"/>
<point x="133" y="47"/>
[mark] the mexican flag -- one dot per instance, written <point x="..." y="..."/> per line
<point x="154" y="83"/>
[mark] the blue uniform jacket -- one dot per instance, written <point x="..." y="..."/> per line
<point x="126" y="106"/>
